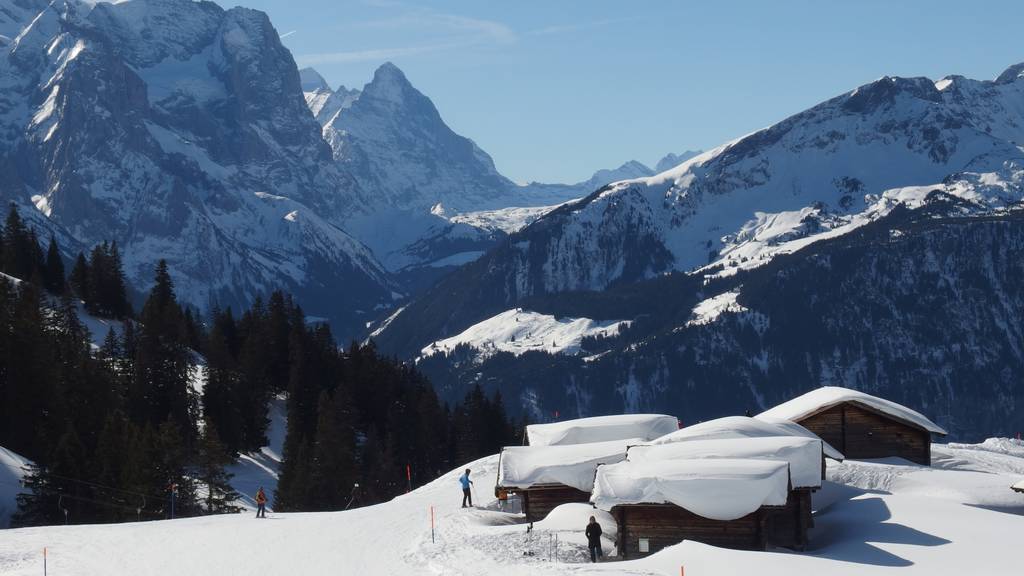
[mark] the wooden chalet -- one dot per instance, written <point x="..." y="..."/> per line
<point x="545" y="477"/>
<point x="744" y="504"/>
<point x="862" y="426"/>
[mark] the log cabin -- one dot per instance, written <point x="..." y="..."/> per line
<point x="545" y="477"/>
<point x="860" y="425"/>
<point x="743" y="504"/>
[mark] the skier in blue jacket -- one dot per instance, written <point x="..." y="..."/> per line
<point x="466" y="495"/>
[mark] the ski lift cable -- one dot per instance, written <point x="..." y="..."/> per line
<point x="87" y="482"/>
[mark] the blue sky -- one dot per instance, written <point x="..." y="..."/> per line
<point x="555" y="89"/>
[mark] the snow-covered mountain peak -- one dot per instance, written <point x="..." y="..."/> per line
<point x="390" y="84"/>
<point x="671" y="160"/>
<point x="1011" y="74"/>
<point x="312" y="81"/>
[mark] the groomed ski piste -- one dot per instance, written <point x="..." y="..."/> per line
<point x="879" y="517"/>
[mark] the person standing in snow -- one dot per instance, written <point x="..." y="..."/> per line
<point x="594" y="539"/>
<point x="466" y="495"/>
<point x="261" y="503"/>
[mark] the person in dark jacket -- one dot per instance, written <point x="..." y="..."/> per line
<point x="466" y="494"/>
<point x="594" y="539"/>
<point x="261" y="503"/>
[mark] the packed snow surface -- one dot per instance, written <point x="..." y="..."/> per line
<point x="744" y="427"/>
<point x="719" y="489"/>
<point x="601" y="429"/>
<point x="518" y="331"/>
<point x="957" y="517"/>
<point x="828" y="396"/>
<point x="571" y="464"/>
<point x="707" y="311"/>
<point x="13" y="468"/>
<point x="803" y="454"/>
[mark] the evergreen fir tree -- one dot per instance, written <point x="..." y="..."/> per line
<point x="211" y="460"/>
<point x="53" y="275"/>
<point x="79" y="278"/>
<point x="159" y="389"/>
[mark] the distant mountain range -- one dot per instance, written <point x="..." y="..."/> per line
<point x="184" y="131"/>
<point x="673" y="255"/>
<point x="871" y="241"/>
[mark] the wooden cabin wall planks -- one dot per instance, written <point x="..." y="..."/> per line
<point x="667" y="524"/>
<point x="860" y="432"/>
<point x="539" y="501"/>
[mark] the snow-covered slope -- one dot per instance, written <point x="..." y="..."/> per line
<point x="809" y="173"/>
<point x="959" y="517"/>
<point x="13" y="468"/>
<point x="518" y="331"/>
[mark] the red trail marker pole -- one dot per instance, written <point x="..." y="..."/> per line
<point x="431" y="524"/>
<point x="44" y="561"/>
<point x="408" y="478"/>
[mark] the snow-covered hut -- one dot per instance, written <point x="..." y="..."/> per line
<point x="861" y="425"/>
<point x="548" y="476"/>
<point x="1018" y="487"/>
<point x="601" y="429"/>
<point x="728" y="502"/>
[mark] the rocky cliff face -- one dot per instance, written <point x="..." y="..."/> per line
<point x="180" y="130"/>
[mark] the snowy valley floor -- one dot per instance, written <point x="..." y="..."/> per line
<point x="883" y="517"/>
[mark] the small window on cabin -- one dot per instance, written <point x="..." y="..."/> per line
<point x="645" y="545"/>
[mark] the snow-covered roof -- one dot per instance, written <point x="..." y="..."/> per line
<point x="1019" y="486"/>
<point x="602" y="429"/>
<point x="828" y="396"/>
<point x="720" y="489"/>
<point x="803" y="454"/>
<point x="744" y="427"/>
<point x="571" y="464"/>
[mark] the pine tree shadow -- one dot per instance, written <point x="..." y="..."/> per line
<point x="848" y="531"/>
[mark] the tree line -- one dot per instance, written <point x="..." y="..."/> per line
<point x="115" y="429"/>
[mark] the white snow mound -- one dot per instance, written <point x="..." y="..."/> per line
<point x="571" y="465"/>
<point x="602" y="429"/>
<point x="13" y="468"/>
<point x="744" y="427"/>
<point x="803" y="454"/>
<point x="828" y="396"/>
<point x="719" y="489"/>
<point x="518" y="331"/>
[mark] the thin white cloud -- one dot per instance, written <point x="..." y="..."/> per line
<point x="441" y="32"/>
<point x="444" y="24"/>
<point x="287" y="34"/>
<point x="578" y="26"/>
<point x="373" y="55"/>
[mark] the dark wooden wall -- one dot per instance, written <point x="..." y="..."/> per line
<point x="666" y="524"/>
<point x="859" y="432"/>
<point x="539" y="501"/>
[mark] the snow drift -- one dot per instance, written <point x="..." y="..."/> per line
<point x="601" y="429"/>
<point x="719" y="489"/>
<point x="804" y="455"/>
